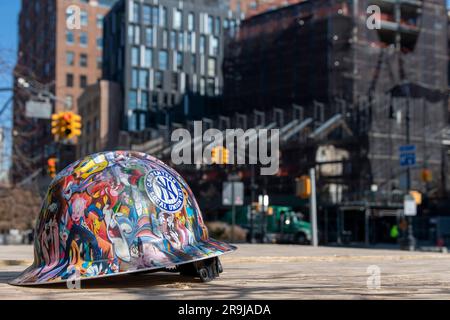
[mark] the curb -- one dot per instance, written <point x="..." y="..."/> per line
<point x="9" y="263"/>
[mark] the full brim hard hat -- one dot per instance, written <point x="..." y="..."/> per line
<point x="110" y="214"/>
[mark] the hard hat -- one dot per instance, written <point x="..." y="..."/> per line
<point x="120" y="212"/>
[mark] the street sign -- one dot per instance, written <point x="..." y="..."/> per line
<point x="410" y="206"/>
<point x="38" y="109"/>
<point x="227" y="193"/>
<point x="407" y="155"/>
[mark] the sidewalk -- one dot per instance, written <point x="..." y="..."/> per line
<point x="263" y="272"/>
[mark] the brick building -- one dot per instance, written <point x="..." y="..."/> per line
<point x="54" y="58"/>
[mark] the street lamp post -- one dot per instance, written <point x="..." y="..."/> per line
<point x="411" y="241"/>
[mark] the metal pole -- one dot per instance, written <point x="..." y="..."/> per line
<point x="367" y="225"/>
<point x="313" y="207"/>
<point x="252" y="213"/>
<point x="411" y="239"/>
<point x="233" y="211"/>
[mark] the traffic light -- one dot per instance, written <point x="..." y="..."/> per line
<point x="51" y="167"/>
<point x="215" y="155"/>
<point x="220" y="155"/>
<point x="57" y="124"/>
<point x="225" y="155"/>
<point x="303" y="187"/>
<point x="74" y="128"/>
<point x="426" y="175"/>
<point x="66" y="125"/>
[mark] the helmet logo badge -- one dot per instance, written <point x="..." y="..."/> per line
<point x="164" y="191"/>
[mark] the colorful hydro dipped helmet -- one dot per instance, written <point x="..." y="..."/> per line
<point x="119" y="212"/>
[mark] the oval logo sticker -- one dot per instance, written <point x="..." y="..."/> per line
<point x="164" y="191"/>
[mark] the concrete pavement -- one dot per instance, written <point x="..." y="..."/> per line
<point x="263" y="272"/>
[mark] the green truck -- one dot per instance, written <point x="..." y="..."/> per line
<point x="284" y="225"/>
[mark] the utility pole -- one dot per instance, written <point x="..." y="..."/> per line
<point x="313" y="207"/>
<point x="406" y="91"/>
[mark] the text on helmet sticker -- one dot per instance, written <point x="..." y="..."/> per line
<point x="164" y="191"/>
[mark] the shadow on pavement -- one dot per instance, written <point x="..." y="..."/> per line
<point x="125" y="281"/>
<point x="6" y="276"/>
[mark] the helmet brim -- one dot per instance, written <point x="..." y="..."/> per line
<point x="36" y="276"/>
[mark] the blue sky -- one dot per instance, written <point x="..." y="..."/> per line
<point x="9" y="10"/>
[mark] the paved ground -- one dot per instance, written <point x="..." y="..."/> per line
<point x="263" y="272"/>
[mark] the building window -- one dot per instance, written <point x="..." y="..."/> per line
<point x="155" y="15"/>
<point x="210" y="25"/>
<point x="70" y="58"/>
<point x="134" y="12"/>
<point x="177" y="19"/>
<point x="99" y="43"/>
<point x="83" y="60"/>
<point x="144" y="100"/>
<point x="192" y="41"/>
<point x="210" y="86"/>
<point x="142" y="121"/>
<point x="173" y="40"/>
<point x="164" y="39"/>
<point x="99" y="21"/>
<point x="132" y="100"/>
<point x="159" y="79"/>
<point x="218" y="26"/>
<point x="202" y="86"/>
<point x="179" y="61"/>
<point x="212" y="67"/>
<point x="134" y="78"/>
<point x="83" y="81"/>
<point x="148" y="57"/>
<point x="164" y="17"/>
<point x="191" y="21"/>
<point x="149" y="36"/>
<point x="69" y="80"/>
<point x="134" y="34"/>
<point x="155" y="100"/>
<point x="132" y="122"/>
<point x="70" y="38"/>
<point x="202" y="44"/>
<point x="194" y="63"/>
<point x="147" y="15"/>
<point x="135" y="56"/>
<point x="181" y="41"/>
<point x="143" y="79"/>
<point x="163" y="60"/>
<point x="99" y="62"/>
<point x="175" y="86"/>
<point x="214" y="46"/>
<point x="84" y="18"/>
<point x="83" y="39"/>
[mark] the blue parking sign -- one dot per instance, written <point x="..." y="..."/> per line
<point x="407" y="156"/>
